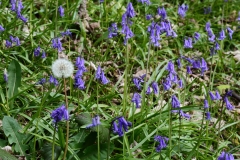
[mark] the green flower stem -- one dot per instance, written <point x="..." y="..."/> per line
<point x="67" y="123"/>
<point x="98" y="141"/>
<point x="56" y="5"/>
<point x="53" y="144"/>
<point x="170" y="130"/>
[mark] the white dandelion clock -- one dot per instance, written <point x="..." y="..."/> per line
<point x="62" y="68"/>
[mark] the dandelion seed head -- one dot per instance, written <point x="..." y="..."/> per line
<point x="62" y="68"/>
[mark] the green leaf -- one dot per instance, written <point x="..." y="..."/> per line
<point x="61" y="138"/>
<point x="91" y="152"/>
<point x="11" y="129"/>
<point x="46" y="151"/>
<point x="14" y="78"/>
<point x="6" y="156"/>
<point x="79" y="139"/>
<point x="83" y="119"/>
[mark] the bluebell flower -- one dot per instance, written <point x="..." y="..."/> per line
<point x="196" y="64"/>
<point x="175" y="102"/>
<point x="130" y="11"/>
<point x="206" y="104"/>
<point x="125" y="28"/>
<point x="179" y="63"/>
<point x="43" y="55"/>
<point x="222" y="35"/>
<point x="61" y="11"/>
<point x="180" y="83"/>
<point x="17" y="9"/>
<point x="42" y="81"/>
<point x="212" y="96"/>
<point x="101" y="1"/>
<point x="80" y="65"/>
<point x="184" y="115"/>
<point x="154" y="30"/>
<point x="238" y="19"/>
<point x="155" y="87"/>
<point x="100" y="76"/>
<point x="170" y="67"/>
<point x="203" y="66"/>
<point x="95" y="122"/>
<point x="189" y="71"/>
<point x="59" y="113"/>
<point x="112" y="30"/>
<point x="137" y="81"/>
<point x="207" y="26"/>
<point x="79" y="83"/>
<point x="57" y="44"/>
<point x="1" y="28"/>
<point x="212" y="51"/>
<point x="66" y="33"/>
<point x="5" y="75"/>
<point x="188" y="43"/>
<point x="148" y="17"/>
<point x="53" y="80"/>
<point x="13" y="4"/>
<point x="162" y="12"/>
<point x="122" y="124"/>
<point x="8" y="44"/>
<point x="208" y="116"/>
<point x="17" y="41"/>
<point x="211" y="35"/>
<point x="162" y="142"/>
<point x="225" y="156"/>
<point x="229" y="106"/>
<point x="37" y="51"/>
<point x="230" y="32"/>
<point x="217" y="46"/>
<point x="167" y="84"/>
<point x="148" y="91"/>
<point x="137" y="99"/>
<point x="182" y="9"/>
<point x="217" y="95"/>
<point x="207" y="10"/>
<point x="197" y="36"/>
<point x="147" y="2"/>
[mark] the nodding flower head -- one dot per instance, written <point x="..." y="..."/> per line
<point x="225" y="156"/>
<point x="95" y="122"/>
<point x="5" y="75"/>
<point x="59" y="113"/>
<point x="53" y="80"/>
<point x="208" y="115"/>
<point x="62" y="68"/>
<point x="162" y="12"/>
<point x="206" y="104"/>
<point x="222" y="35"/>
<point x="1" y="28"/>
<point x="137" y="99"/>
<point x="182" y="9"/>
<point x="188" y="43"/>
<point x="101" y="76"/>
<point x="122" y="124"/>
<point x="61" y="11"/>
<point x="175" y="102"/>
<point x="197" y="36"/>
<point x="112" y="30"/>
<point x="162" y="142"/>
<point x="230" y="32"/>
<point x="57" y="44"/>
<point x="147" y="2"/>
<point x="130" y="11"/>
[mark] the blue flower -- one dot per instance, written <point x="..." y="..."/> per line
<point x="189" y="71"/>
<point x="217" y="46"/>
<point x="125" y="28"/>
<point x="175" y="102"/>
<point x="8" y="44"/>
<point x="203" y="66"/>
<point x="179" y="63"/>
<point x="207" y="10"/>
<point x="95" y="122"/>
<point x="57" y="44"/>
<point x="61" y="11"/>
<point x="148" y="16"/>
<point x="208" y="115"/>
<point x="185" y="115"/>
<point x="1" y="28"/>
<point x="137" y="99"/>
<point x="170" y="67"/>
<point x="112" y="30"/>
<point x="155" y="87"/>
<point x="167" y="84"/>
<point x="79" y="83"/>
<point x="225" y="156"/>
<point x="217" y="95"/>
<point x="37" y="51"/>
<point x="5" y="75"/>
<point x="130" y="11"/>
<point x="207" y="26"/>
<point x="230" y="32"/>
<point x="162" y="142"/>
<point x="147" y="2"/>
<point x="122" y="123"/>
<point x="211" y="35"/>
<point x="66" y="33"/>
<point x="42" y="81"/>
<point x="148" y="91"/>
<point x="59" y="113"/>
<point x="222" y="35"/>
<point x="162" y="12"/>
<point x="206" y="104"/>
<point x="229" y="106"/>
<point x="212" y="96"/>
<point x="212" y="51"/>
<point x="53" y="80"/>
<point x="182" y="9"/>
<point x="180" y="83"/>
<point x="43" y="55"/>
<point x="100" y="76"/>
<point x="197" y="36"/>
<point x="188" y="43"/>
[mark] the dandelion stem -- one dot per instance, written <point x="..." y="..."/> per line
<point x="67" y="122"/>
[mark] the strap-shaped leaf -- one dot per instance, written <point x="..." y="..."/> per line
<point x="11" y="129"/>
<point x="6" y="156"/>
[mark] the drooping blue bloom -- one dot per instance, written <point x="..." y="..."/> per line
<point x="180" y="83"/>
<point x="112" y="30"/>
<point x="197" y="36"/>
<point x="8" y="44"/>
<point x="217" y="46"/>
<point x="188" y="43"/>
<point x="206" y="104"/>
<point x="229" y="106"/>
<point x="207" y="26"/>
<point x="130" y="11"/>
<point x="17" y="9"/>
<point x="182" y="9"/>
<point x="37" y="51"/>
<point x="211" y="35"/>
<point x="137" y="81"/>
<point x="189" y="71"/>
<point x="170" y="67"/>
<point x="225" y="156"/>
<point x="222" y="35"/>
<point x="148" y="91"/>
<point x="137" y="99"/>
<point x="42" y="81"/>
<point x="79" y="83"/>
<point x="212" y="51"/>
<point x="207" y="10"/>
<point x="59" y="113"/>
<point x="57" y="44"/>
<point x="230" y="32"/>
<point x="147" y="2"/>
<point x="53" y="80"/>
<point x="208" y="116"/>
<point x="203" y="66"/>
<point x="217" y="95"/>
<point x="212" y="96"/>
<point x="162" y="12"/>
<point x="196" y="64"/>
<point x="167" y="84"/>
<point x="80" y="65"/>
<point x="175" y="102"/>
<point x="43" y="55"/>
<point x="154" y="30"/>
<point x="184" y="115"/>
<point x="1" y="28"/>
<point x="125" y="28"/>
<point x="162" y="142"/>
<point x="155" y="87"/>
<point x="148" y="17"/>
<point x="101" y="76"/>
<point x="66" y="33"/>
<point x="13" y="4"/>
<point x="95" y="122"/>
<point x="5" y="75"/>
<point x="179" y="63"/>
<point x="61" y="11"/>
<point x="122" y="123"/>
